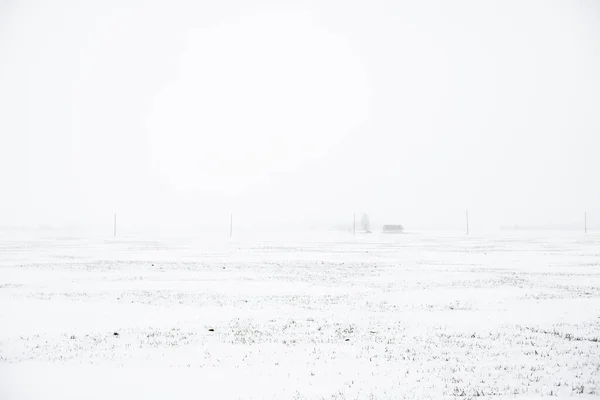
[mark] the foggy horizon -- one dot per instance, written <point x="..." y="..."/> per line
<point x="299" y="113"/>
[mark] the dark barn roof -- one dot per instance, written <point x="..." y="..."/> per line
<point x="393" y="228"/>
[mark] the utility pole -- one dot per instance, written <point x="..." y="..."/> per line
<point x="467" y="217"/>
<point x="115" y="225"/>
<point x="230" y="225"/>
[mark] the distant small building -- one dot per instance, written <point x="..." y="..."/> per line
<point x="392" y="229"/>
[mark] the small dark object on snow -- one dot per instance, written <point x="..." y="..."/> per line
<point x="153" y="265"/>
<point x="347" y="340"/>
<point x="116" y="334"/>
<point x="223" y="267"/>
<point x="72" y="337"/>
<point x="211" y="329"/>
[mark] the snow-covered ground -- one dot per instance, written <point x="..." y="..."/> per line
<point x="316" y="316"/>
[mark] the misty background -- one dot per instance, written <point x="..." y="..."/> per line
<point x="299" y="113"/>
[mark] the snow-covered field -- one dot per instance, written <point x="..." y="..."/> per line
<point x="315" y="316"/>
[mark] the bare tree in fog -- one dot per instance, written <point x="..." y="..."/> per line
<point x="366" y="223"/>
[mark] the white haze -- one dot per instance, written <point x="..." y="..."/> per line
<point x="299" y="113"/>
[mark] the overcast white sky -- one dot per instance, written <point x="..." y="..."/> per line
<point x="182" y="112"/>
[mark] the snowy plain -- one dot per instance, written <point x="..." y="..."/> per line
<point x="312" y="316"/>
